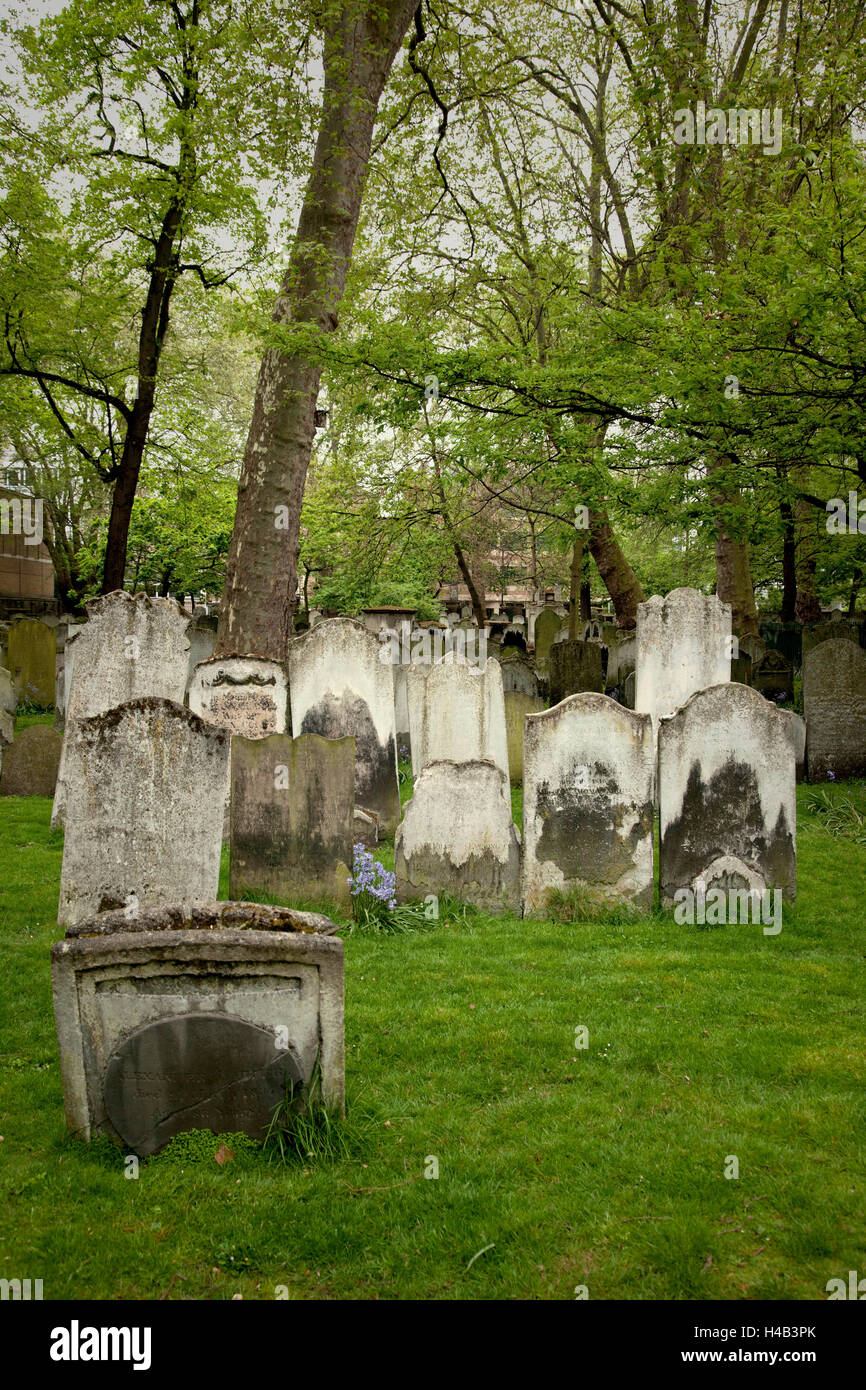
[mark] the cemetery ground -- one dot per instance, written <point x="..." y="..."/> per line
<point x="558" y="1167"/>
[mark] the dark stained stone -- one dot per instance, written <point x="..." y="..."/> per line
<point x="575" y="667"/>
<point x="195" y="1071"/>
<point x="30" y="763"/>
<point x="376" y="786"/>
<point x="773" y="676"/>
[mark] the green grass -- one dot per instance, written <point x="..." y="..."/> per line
<point x="602" y="1166"/>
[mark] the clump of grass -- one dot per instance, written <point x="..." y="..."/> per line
<point x="579" y="904"/>
<point x="304" y="1128"/>
<point x="838" y="814"/>
<point x="199" y="1146"/>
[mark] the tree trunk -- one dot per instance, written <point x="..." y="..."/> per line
<point x="617" y="574"/>
<point x="574" y="585"/>
<point x="733" y="568"/>
<point x="789" y="563"/>
<point x="261" y="575"/>
<point x="808" y="609"/>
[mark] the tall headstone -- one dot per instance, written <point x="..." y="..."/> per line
<point x="30" y="653"/>
<point x="292" y="804"/>
<point x="342" y="687"/>
<point x="547" y="625"/>
<point x="588" y="803"/>
<point x="132" y="647"/>
<point x="727" y="794"/>
<point x="31" y="763"/>
<point x="517" y="707"/>
<point x="834" y="703"/>
<point x="683" y="645"/>
<point x="457" y="837"/>
<point x="202" y="636"/>
<point x="144" y="813"/>
<point x="457" y="713"/>
<point x="575" y="667"/>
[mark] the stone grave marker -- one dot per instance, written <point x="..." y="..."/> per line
<point x="30" y="764"/>
<point x="575" y="667"/>
<point x="773" y="676"/>
<point x="517" y="706"/>
<point x="144" y="811"/>
<point x="727" y="803"/>
<point x="30" y="653"/>
<point x="588" y="803"/>
<point x="341" y="687"/>
<point x="834" y="703"/>
<point x="292" y="804"/>
<point x="683" y="645"/>
<point x="457" y="837"/>
<point x="457" y="713"/>
<point x="547" y="625"/>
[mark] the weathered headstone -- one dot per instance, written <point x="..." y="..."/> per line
<point x="30" y="763"/>
<point x="202" y="636"/>
<point x="8" y="698"/>
<point x="401" y="709"/>
<point x="242" y="694"/>
<point x="196" y="1016"/>
<point x="628" y="686"/>
<point x="621" y="658"/>
<point x="573" y="668"/>
<point x="457" y="713"/>
<point x="517" y="674"/>
<point x="834" y="703"/>
<point x="132" y="647"/>
<point x="547" y="625"/>
<point x="773" y="676"/>
<point x="838" y="630"/>
<point x="517" y="706"/>
<point x="457" y="837"/>
<point x="292" y="804"/>
<point x="588" y="803"/>
<point x="683" y="645"/>
<point x="30" y="653"/>
<point x="340" y="688"/>
<point x="144" y="811"/>
<point x="727" y="799"/>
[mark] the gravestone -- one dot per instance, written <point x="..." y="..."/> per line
<point x="753" y="646"/>
<point x="683" y="645"/>
<point x="773" y="676"/>
<point x="799" y="726"/>
<point x="30" y="763"/>
<point x="342" y="688"/>
<point x="621" y="658"/>
<point x="574" y="667"/>
<point x="144" y="810"/>
<point x="401" y="711"/>
<point x="834" y="703"/>
<point x="741" y="669"/>
<point x="588" y="803"/>
<point x="457" y="713"/>
<point x="196" y="1016"/>
<point x="547" y="625"/>
<point x="8" y="698"/>
<point x="517" y="674"/>
<point x="838" y="630"/>
<point x="727" y="800"/>
<point x="202" y="636"/>
<point x="785" y="638"/>
<point x="30" y="654"/>
<point x="242" y="694"/>
<point x="131" y="647"/>
<point x="457" y="837"/>
<point x="292" y="804"/>
<point x="517" y="706"/>
<point x="628" y="686"/>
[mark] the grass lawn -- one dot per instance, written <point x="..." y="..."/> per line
<point x="602" y="1167"/>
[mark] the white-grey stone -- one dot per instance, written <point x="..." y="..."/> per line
<point x="683" y="645"/>
<point x="132" y="647"/>
<point x="245" y="695"/>
<point x="340" y="686"/>
<point x="202" y="637"/>
<point x="194" y="1016"/>
<point x="8" y="698"/>
<point x="727" y="793"/>
<point x="517" y="674"/>
<point x="144" y="812"/>
<point x="457" y="713"/>
<point x="458" y="837"/>
<point x="588" y="803"/>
